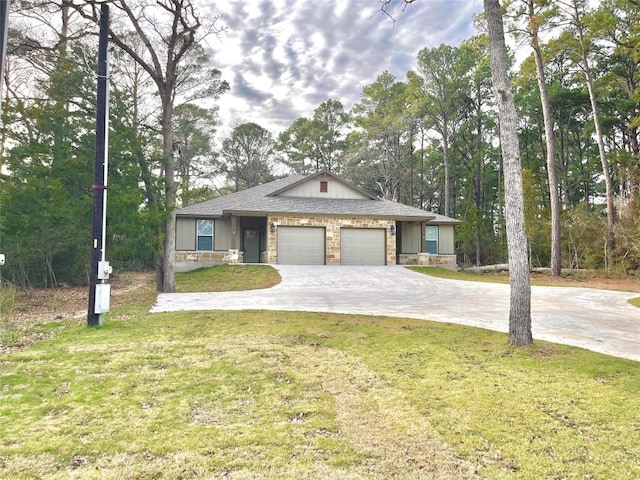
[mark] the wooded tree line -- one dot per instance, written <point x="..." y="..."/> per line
<point x="429" y="139"/>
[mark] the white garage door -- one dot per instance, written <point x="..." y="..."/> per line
<point x="362" y="246"/>
<point x="301" y="245"/>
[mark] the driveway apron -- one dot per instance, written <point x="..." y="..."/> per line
<point x="598" y="320"/>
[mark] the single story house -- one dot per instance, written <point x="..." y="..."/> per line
<point x="312" y="219"/>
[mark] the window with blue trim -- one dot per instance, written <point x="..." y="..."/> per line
<point x="204" y="235"/>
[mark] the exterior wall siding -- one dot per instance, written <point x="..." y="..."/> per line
<point x="333" y="226"/>
<point x="185" y="233"/>
<point x="411" y="237"/>
<point x="335" y="189"/>
<point x="222" y="234"/>
<point x="446" y="244"/>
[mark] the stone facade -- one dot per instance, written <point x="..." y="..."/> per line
<point x="190" y="260"/>
<point x="428" y="259"/>
<point x="332" y="227"/>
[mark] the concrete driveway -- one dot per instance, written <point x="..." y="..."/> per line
<point x="599" y="320"/>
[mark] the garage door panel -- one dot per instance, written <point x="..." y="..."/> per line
<point x="301" y="246"/>
<point x="363" y="246"/>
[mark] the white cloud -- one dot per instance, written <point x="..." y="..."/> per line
<point x="283" y="58"/>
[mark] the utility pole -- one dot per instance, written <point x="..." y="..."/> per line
<point x="4" y="29"/>
<point x="99" y="288"/>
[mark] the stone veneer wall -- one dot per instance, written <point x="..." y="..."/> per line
<point x="332" y="231"/>
<point x="429" y="259"/>
<point x="216" y="256"/>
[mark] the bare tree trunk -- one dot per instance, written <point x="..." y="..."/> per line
<point x="586" y="68"/>
<point x="478" y="178"/>
<point x="447" y="186"/>
<point x="478" y="201"/>
<point x="611" y="212"/>
<point x="520" y="301"/>
<point x="556" y="245"/>
<point x="421" y="204"/>
<point x="169" y="247"/>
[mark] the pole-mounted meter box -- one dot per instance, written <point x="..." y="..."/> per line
<point x="103" y="295"/>
<point x="104" y="270"/>
<point x="103" y="290"/>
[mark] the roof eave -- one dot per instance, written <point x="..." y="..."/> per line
<point x="261" y="213"/>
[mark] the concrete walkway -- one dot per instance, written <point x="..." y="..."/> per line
<point x="598" y="320"/>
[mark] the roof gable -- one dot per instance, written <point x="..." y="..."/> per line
<point x="323" y="184"/>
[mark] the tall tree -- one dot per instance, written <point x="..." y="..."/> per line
<point x="575" y="11"/>
<point x="618" y="23"/>
<point x="45" y="195"/>
<point x="297" y="148"/>
<point x="248" y="155"/>
<point x="445" y="85"/>
<point x="175" y="62"/>
<point x="520" y="301"/>
<point x="193" y="135"/>
<point x="473" y="143"/>
<point x="45" y="190"/>
<point x="328" y="134"/>
<point x="538" y="15"/>
<point x="318" y="143"/>
<point x="378" y="159"/>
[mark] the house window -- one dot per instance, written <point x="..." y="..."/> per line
<point x="205" y="235"/>
<point x="324" y="187"/>
<point x="431" y="236"/>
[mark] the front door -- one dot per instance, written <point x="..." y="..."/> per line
<point x="251" y="245"/>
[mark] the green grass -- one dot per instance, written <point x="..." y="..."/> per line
<point x="253" y="395"/>
<point x="9" y="331"/>
<point x="222" y="278"/>
<point x="635" y="302"/>
<point x="455" y="275"/>
<point x="7" y="300"/>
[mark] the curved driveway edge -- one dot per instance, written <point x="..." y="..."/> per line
<point x="598" y="320"/>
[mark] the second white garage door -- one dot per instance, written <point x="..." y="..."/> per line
<point x="301" y="245"/>
<point x="363" y="246"/>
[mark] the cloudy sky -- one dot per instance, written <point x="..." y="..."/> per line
<point x="283" y="58"/>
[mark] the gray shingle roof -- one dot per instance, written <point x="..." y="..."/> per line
<point x="257" y="201"/>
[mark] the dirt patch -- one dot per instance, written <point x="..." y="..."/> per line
<point x="39" y="306"/>
<point x="627" y="284"/>
<point x="543" y="351"/>
<point x="42" y="305"/>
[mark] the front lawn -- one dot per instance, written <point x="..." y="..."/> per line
<point x="271" y="395"/>
<point x="224" y="278"/>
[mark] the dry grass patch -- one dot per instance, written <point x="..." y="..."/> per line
<point x="376" y="419"/>
<point x="589" y="279"/>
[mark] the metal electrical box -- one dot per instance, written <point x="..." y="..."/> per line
<point x="103" y="296"/>
<point x="104" y="270"/>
